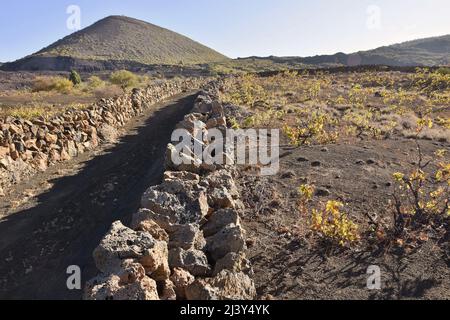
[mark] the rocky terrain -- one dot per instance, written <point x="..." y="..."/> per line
<point x="139" y="164"/>
<point x="28" y="146"/>
<point x="342" y="167"/>
<point x="187" y="241"/>
<point x="142" y="227"/>
<point x="56" y="218"/>
<point x="292" y="262"/>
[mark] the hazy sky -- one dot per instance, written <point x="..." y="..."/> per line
<point x="237" y="28"/>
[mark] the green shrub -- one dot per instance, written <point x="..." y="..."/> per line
<point x="123" y="78"/>
<point x="75" y="78"/>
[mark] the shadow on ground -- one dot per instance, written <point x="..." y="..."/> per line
<point x="38" y="244"/>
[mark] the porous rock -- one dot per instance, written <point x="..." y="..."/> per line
<point x="192" y="260"/>
<point x="229" y="239"/>
<point x="225" y="286"/>
<point x="234" y="262"/>
<point x="181" y="280"/>
<point x="219" y="220"/>
<point x="186" y="236"/>
<point x="220" y="198"/>
<point x="179" y="204"/>
<point x="111" y="288"/>
<point x="122" y="243"/>
<point x="167" y="289"/>
<point x="145" y="214"/>
<point x="153" y="228"/>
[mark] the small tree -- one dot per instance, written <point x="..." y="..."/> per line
<point x="75" y="78"/>
<point x="123" y="78"/>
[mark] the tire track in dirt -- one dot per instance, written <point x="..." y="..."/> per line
<point x="68" y="220"/>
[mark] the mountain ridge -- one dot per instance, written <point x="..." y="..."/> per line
<point x="119" y="39"/>
<point x="120" y="42"/>
<point x="432" y="51"/>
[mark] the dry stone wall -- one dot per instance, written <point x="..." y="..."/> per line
<point x="187" y="241"/>
<point x="29" y="146"/>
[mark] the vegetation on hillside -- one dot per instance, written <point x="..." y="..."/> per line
<point x="125" y="39"/>
<point x="370" y="105"/>
<point x="424" y="52"/>
<point x="345" y="108"/>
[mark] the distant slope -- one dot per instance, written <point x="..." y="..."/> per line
<point x="427" y="52"/>
<point x="424" y="52"/>
<point x="116" y="42"/>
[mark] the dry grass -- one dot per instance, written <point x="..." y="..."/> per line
<point x="48" y="95"/>
<point x="34" y="110"/>
<point x="57" y="84"/>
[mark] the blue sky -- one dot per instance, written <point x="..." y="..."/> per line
<point x="237" y="28"/>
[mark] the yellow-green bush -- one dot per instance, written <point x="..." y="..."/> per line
<point x="328" y="219"/>
<point x="333" y="224"/>
<point x="124" y="79"/>
<point x="443" y="70"/>
<point x="422" y="199"/>
<point x="314" y="127"/>
<point x="95" y="82"/>
<point x="58" y="84"/>
<point x="429" y="81"/>
<point x="26" y="112"/>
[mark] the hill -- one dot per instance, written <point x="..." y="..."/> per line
<point x="118" y="42"/>
<point x="433" y="51"/>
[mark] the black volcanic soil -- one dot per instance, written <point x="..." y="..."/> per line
<point x="290" y="264"/>
<point x="57" y="218"/>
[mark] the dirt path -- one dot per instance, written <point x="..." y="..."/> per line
<point x="47" y="232"/>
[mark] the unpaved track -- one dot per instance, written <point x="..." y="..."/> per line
<point x="66" y="222"/>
